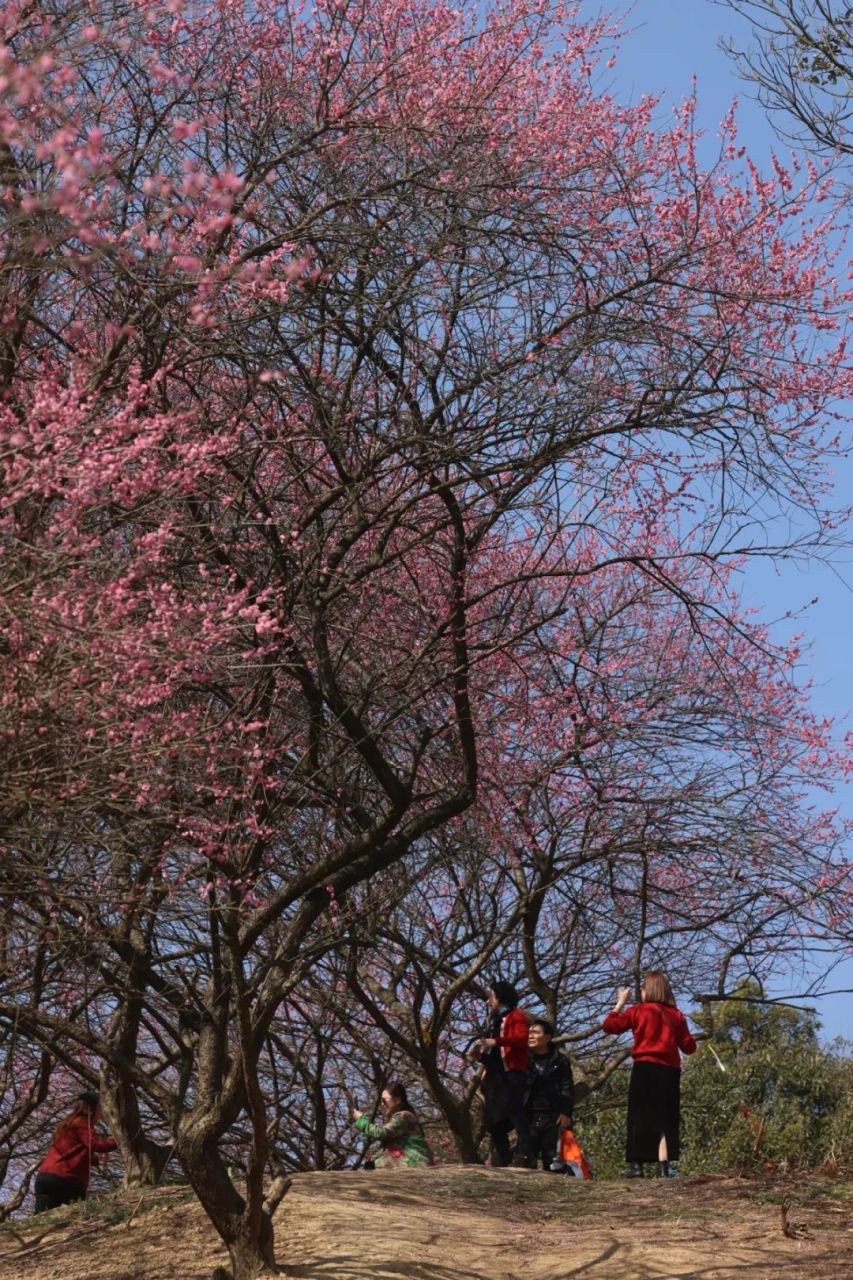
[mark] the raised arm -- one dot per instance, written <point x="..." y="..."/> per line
<point x="396" y="1128"/>
<point x="619" y="1019"/>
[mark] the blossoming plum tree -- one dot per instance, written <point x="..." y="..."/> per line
<point x="648" y="800"/>
<point x="329" y="332"/>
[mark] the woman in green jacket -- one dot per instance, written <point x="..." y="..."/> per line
<point x="401" y="1140"/>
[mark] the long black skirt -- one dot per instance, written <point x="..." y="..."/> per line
<point x="654" y="1097"/>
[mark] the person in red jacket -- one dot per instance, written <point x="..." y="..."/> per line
<point x="63" y="1175"/>
<point x="661" y="1035"/>
<point x="504" y="1054"/>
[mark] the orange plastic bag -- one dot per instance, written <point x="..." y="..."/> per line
<point x="571" y="1155"/>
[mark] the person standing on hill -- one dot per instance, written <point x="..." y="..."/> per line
<point x="549" y="1097"/>
<point x="661" y="1034"/>
<point x="503" y="1054"/>
<point x="64" y="1173"/>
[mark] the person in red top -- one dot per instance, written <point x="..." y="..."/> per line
<point x="63" y="1175"/>
<point x="661" y="1035"/>
<point x="503" y="1055"/>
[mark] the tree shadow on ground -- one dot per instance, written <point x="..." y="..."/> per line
<point x="616" y="1261"/>
<point x="349" y="1267"/>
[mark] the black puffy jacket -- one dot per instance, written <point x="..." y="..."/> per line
<point x="550" y="1085"/>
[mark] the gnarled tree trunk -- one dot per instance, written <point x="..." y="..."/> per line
<point x="247" y="1233"/>
<point x="144" y="1160"/>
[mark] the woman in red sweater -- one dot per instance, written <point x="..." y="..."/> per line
<point x="661" y="1034"/>
<point x="504" y="1055"/>
<point x="64" y="1173"/>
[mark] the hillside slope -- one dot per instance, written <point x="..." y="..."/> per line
<point x="459" y="1223"/>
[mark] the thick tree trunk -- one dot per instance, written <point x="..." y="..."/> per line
<point x="143" y="1160"/>
<point x="144" y="1166"/>
<point x="457" y="1114"/>
<point x="248" y="1237"/>
<point x="253" y="1254"/>
<point x="463" y="1138"/>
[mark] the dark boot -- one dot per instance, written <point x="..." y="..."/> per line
<point x="664" y="1170"/>
<point x="635" y="1170"/>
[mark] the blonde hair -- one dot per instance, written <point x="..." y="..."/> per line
<point x="656" y="988"/>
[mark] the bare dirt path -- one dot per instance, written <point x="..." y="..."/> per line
<point x="465" y="1224"/>
<point x="461" y="1224"/>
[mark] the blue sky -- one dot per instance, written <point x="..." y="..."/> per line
<point x="666" y="43"/>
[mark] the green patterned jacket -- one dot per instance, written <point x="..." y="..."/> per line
<point x="402" y="1144"/>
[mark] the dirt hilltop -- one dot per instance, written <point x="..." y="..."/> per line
<point x="459" y="1223"/>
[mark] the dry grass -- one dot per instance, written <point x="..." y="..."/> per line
<point x="459" y="1223"/>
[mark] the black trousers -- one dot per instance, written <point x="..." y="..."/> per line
<point x="654" y="1094"/>
<point x="504" y="1094"/>
<point x="516" y="1084"/>
<point x="541" y="1141"/>
<point x="51" y="1191"/>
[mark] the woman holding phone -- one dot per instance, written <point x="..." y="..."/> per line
<point x="661" y="1035"/>
<point x="401" y="1142"/>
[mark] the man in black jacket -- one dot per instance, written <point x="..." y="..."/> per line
<point x="549" y="1097"/>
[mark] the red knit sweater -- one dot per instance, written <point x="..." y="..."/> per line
<point x="513" y="1040"/>
<point x="74" y="1152"/>
<point x="660" y="1030"/>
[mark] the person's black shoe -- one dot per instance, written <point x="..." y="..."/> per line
<point x="666" y="1170"/>
<point x="635" y="1170"/>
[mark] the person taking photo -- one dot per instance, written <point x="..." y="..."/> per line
<point x="400" y="1140"/>
<point x="661" y="1035"/>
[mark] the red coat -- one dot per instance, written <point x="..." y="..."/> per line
<point x="75" y="1151"/>
<point x="660" y="1030"/>
<point x="513" y="1040"/>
